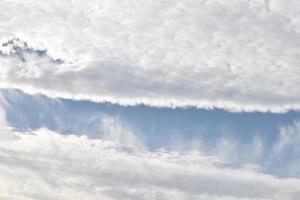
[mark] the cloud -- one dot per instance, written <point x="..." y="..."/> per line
<point x="3" y="122"/>
<point x="287" y="148"/>
<point x="114" y="129"/>
<point x="230" y="149"/>
<point x="43" y="164"/>
<point x="46" y="165"/>
<point x="255" y="146"/>
<point x="240" y="56"/>
<point x="289" y="138"/>
<point x="5" y="129"/>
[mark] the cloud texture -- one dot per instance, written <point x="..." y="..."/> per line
<point x="42" y="164"/>
<point x="237" y="55"/>
<point x="46" y="165"/>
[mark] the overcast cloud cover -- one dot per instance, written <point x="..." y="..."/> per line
<point x="237" y="54"/>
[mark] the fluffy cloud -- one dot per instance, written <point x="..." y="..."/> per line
<point x="237" y="55"/>
<point x="47" y="165"/>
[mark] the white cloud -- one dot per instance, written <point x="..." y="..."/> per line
<point x="283" y="157"/>
<point x="117" y="131"/>
<point x="5" y="133"/>
<point x="237" y="55"/>
<point x="3" y="122"/>
<point x="289" y="138"/>
<point x="46" y="165"/>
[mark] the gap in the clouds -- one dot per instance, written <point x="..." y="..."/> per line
<point x="32" y="112"/>
<point x="238" y="137"/>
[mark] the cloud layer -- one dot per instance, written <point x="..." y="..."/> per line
<point x="242" y="55"/>
<point x="43" y="164"/>
<point x="46" y="165"/>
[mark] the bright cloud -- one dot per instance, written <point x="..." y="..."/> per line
<point x="46" y="165"/>
<point x="237" y="55"/>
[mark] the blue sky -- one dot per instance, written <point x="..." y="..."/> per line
<point x="180" y="129"/>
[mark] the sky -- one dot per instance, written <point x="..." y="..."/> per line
<point x="158" y="100"/>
